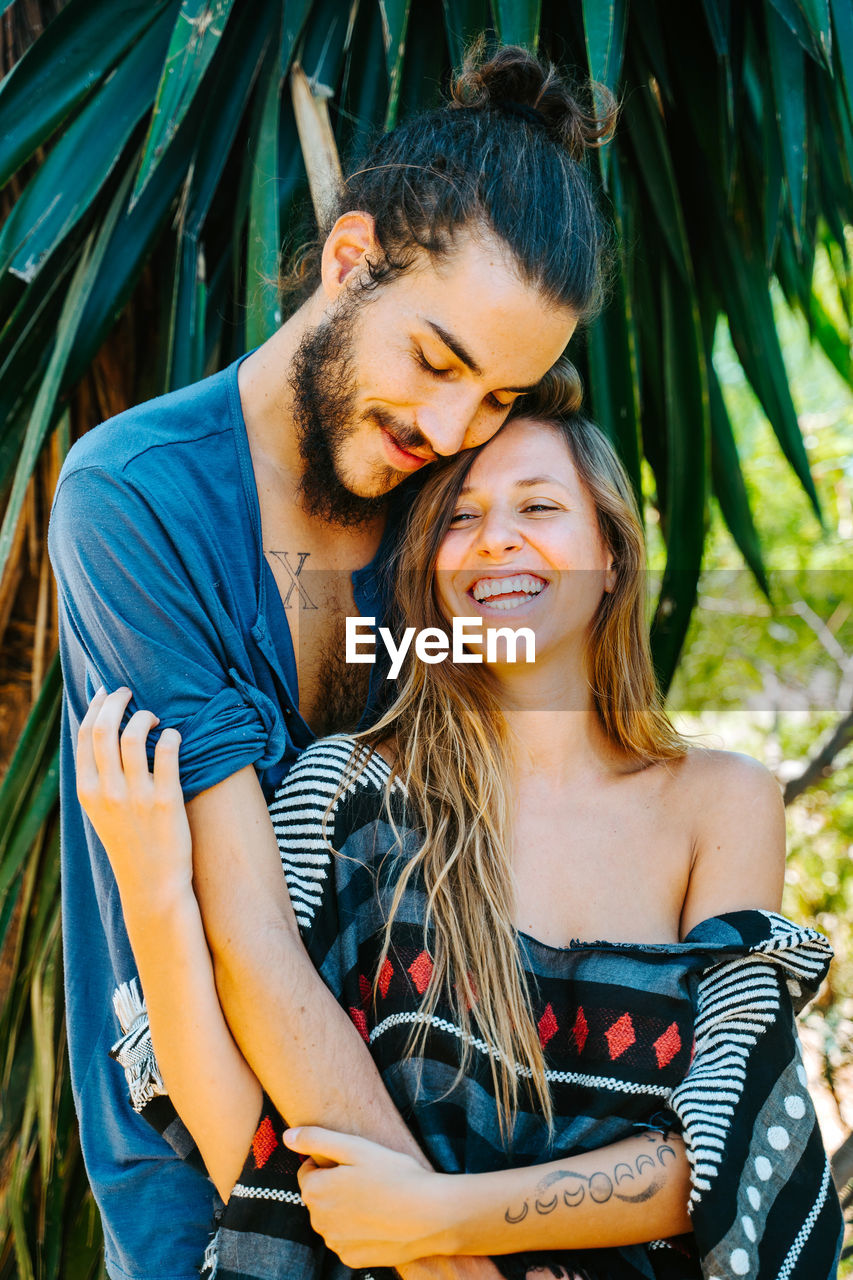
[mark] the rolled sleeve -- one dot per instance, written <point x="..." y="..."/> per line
<point x="239" y="726"/>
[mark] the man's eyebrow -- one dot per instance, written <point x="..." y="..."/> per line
<point x="454" y="345"/>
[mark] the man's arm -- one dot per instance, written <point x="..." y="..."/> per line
<point x="293" y="1033"/>
<point x="296" y="1037"/>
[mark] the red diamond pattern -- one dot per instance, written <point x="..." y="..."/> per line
<point x="364" y="989"/>
<point x="264" y="1143"/>
<point x="421" y="971"/>
<point x="548" y="1026"/>
<point x="667" y="1045"/>
<point x="386" y="973"/>
<point x="620" y="1036"/>
<point x="580" y="1030"/>
<point x="360" y="1021"/>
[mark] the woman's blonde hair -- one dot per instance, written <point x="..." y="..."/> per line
<point x="454" y="756"/>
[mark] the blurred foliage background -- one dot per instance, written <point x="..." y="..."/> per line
<point x="151" y="174"/>
<point x="773" y="677"/>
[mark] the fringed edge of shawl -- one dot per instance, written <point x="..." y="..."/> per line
<point x="134" y="1052"/>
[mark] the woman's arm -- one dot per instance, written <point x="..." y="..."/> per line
<point x="213" y="1089"/>
<point x="378" y="1208"/>
<point x="626" y="1193"/>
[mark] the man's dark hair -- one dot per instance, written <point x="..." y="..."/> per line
<point x="503" y="156"/>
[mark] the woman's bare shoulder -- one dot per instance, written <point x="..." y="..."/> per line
<point x="710" y="784"/>
<point x="737" y="821"/>
<point x="727" y="777"/>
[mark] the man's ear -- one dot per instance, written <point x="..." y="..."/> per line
<point x="350" y="240"/>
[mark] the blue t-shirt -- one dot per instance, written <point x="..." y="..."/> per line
<point x="155" y="540"/>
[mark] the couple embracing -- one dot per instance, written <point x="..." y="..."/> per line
<point x="476" y="972"/>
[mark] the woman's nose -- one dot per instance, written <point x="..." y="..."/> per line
<point x="498" y="535"/>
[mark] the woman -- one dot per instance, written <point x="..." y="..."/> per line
<point x="498" y="820"/>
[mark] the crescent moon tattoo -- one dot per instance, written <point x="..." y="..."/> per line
<point x="573" y="1198"/>
<point x="512" y="1218"/>
<point x="644" y="1161"/>
<point x="546" y="1206"/>
<point x="665" y="1150"/>
<point x="623" y="1171"/>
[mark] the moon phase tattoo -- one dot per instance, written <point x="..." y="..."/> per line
<point x="572" y="1188"/>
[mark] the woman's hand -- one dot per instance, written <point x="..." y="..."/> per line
<point x="139" y="815"/>
<point x="373" y="1207"/>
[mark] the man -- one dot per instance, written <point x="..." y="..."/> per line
<point x="183" y="536"/>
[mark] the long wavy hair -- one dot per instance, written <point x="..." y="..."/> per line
<point x="453" y="753"/>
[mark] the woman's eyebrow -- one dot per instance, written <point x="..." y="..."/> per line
<point x="522" y="484"/>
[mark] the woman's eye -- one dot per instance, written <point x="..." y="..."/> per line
<point x="459" y="516"/>
<point x="540" y="506"/>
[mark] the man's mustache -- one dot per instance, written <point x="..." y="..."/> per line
<point x="408" y="437"/>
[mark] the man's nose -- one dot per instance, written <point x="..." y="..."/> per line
<point x="447" y="422"/>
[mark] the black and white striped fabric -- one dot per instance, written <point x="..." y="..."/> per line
<point x="697" y="1035"/>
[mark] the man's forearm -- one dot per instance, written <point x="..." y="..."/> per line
<point x="300" y="1043"/>
<point x="318" y="1070"/>
<point x="305" y="1050"/>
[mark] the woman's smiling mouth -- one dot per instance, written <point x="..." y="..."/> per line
<point x="507" y="592"/>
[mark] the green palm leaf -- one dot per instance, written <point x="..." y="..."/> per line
<point x="77" y="167"/>
<point x="197" y="32"/>
<point x="518" y="21"/>
<point x="80" y="46"/>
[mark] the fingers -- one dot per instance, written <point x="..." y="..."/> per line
<point x="324" y="1145"/>
<point x="108" y="763"/>
<point x="132" y="747"/>
<point x="167" y="777"/>
<point x="307" y="1167"/>
<point x="87" y="772"/>
<point x="105" y="742"/>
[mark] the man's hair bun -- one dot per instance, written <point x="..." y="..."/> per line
<point x="514" y="81"/>
<point x="501" y="156"/>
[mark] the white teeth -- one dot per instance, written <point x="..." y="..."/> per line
<point x="505" y="586"/>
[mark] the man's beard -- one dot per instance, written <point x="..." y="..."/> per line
<point x="324" y="385"/>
